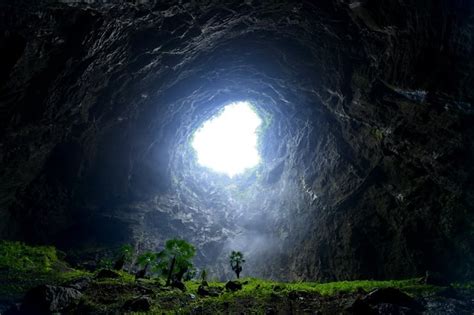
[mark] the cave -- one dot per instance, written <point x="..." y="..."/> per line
<point x="362" y="162"/>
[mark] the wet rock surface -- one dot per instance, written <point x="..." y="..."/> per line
<point x="47" y="299"/>
<point x="367" y="154"/>
<point x="390" y="296"/>
<point x="79" y="284"/>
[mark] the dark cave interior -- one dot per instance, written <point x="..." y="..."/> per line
<point x="366" y="142"/>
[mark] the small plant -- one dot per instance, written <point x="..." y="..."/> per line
<point x="175" y="259"/>
<point x="236" y="260"/>
<point x="125" y="256"/>
<point x="190" y="274"/>
<point x="105" y="263"/>
<point x="204" y="276"/>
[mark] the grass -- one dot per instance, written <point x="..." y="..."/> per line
<point x="23" y="267"/>
<point x="264" y="288"/>
<point x="258" y="294"/>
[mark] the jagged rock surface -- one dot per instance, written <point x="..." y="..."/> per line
<point x="367" y="156"/>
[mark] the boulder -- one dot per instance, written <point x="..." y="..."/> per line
<point x="140" y="304"/>
<point x="79" y="284"/>
<point x="233" y="286"/>
<point x="50" y="299"/>
<point x="390" y="296"/>
<point x="204" y="290"/>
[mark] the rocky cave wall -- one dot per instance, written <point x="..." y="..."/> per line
<point x="366" y="154"/>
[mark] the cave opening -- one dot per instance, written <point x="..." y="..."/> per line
<point x="122" y="125"/>
<point x="228" y="142"/>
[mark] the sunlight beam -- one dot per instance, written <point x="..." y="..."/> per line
<point x="227" y="143"/>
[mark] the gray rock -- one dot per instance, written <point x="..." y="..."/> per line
<point x="367" y="159"/>
<point x="50" y="299"/>
<point x="79" y="284"/>
<point x="390" y="296"/>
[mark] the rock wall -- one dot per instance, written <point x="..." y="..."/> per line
<point x="367" y="146"/>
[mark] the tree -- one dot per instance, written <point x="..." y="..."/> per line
<point x="236" y="260"/>
<point x="175" y="259"/>
<point x="145" y="260"/>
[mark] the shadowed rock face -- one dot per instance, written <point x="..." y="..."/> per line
<point x="367" y="147"/>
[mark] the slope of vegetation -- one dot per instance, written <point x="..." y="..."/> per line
<point x="107" y="291"/>
<point x="23" y="267"/>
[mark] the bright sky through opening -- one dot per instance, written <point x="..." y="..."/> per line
<point x="227" y="143"/>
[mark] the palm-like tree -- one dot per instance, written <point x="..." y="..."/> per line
<point x="236" y="260"/>
<point x="175" y="259"/>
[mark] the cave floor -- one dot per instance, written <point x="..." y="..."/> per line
<point x="124" y="294"/>
<point x="36" y="280"/>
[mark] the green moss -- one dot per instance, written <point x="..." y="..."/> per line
<point x="378" y="134"/>
<point x="410" y="286"/>
<point x="21" y="257"/>
<point x="71" y="275"/>
<point x="24" y="266"/>
<point x="109" y="295"/>
<point x="468" y="286"/>
<point x="257" y="294"/>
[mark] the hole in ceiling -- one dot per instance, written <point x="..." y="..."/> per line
<point x="227" y="142"/>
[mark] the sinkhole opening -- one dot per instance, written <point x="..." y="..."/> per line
<point x="227" y="142"/>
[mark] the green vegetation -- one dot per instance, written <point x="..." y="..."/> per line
<point x="175" y="259"/>
<point x="258" y="294"/>
<point x="204" y="275"/>
<point x="23" y="267"/>
<point x="377" y="133"/>
<point x="264" y="288"/>
<point x="236" y="260"/>
<point x="469" y="286"/>
<point x="20" y="257"/>
<point x="145" y="260"/>
<point x="105" y="263"/>
<point x="125" y="256"/>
